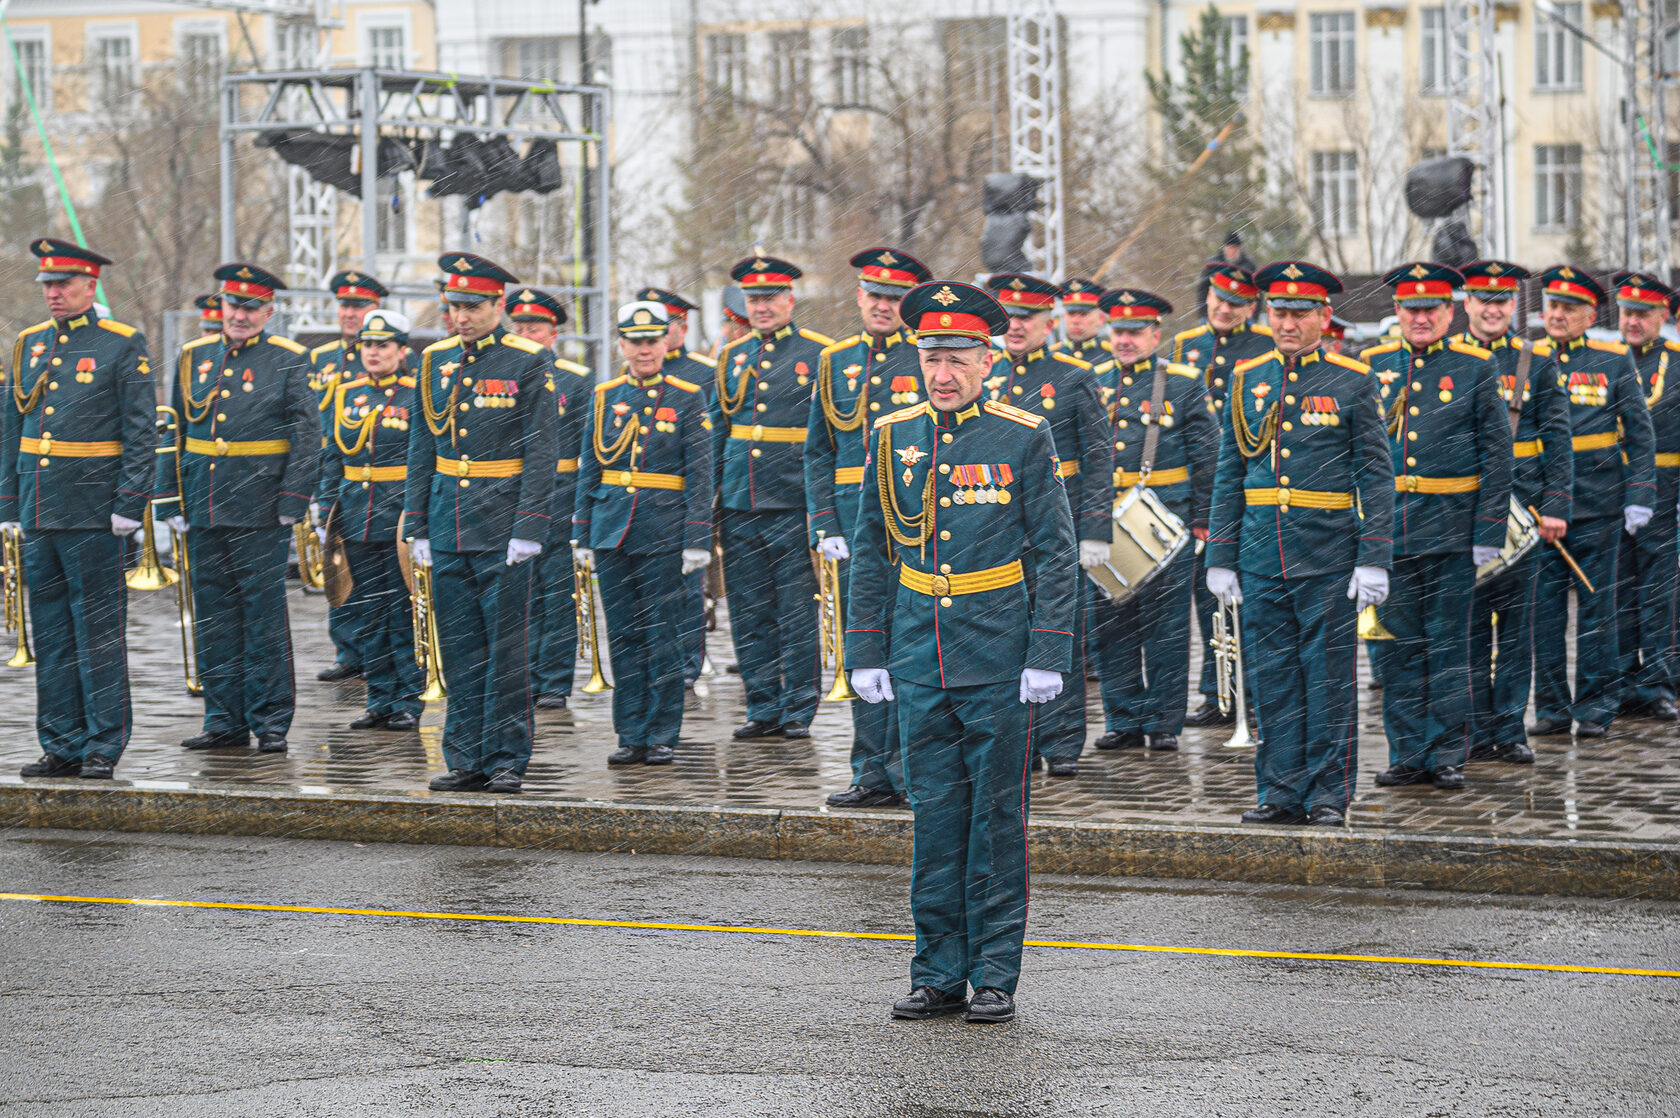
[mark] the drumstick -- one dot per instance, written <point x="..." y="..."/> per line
<point x="1567" y="558"/>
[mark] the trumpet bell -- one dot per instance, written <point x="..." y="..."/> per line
<point x="1370" y="628"/>
<point x="149" y="574"/>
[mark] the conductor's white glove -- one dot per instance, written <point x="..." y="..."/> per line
<point x="123" y="526"/>
<point x="695" y="559"/>
<point x="1368" y="587"/>
<point x="13" y="525"/>
<point x="321" y="534"/>
<point x="1482" y="555"/>
<point x="177" y="523"/>
<point x="1040" y="686"/>
<point x="583" y="555"/>
<point x="1635" y="517"/>
<point x="1222" y="583"/>
<point x="834" y="547"/>
<point x="520" y="550"/>
<point x="1092" y="554"/>
<point x="873" y="685"/>
<point x="420" y="551"/>
<point x="288" y="521"/>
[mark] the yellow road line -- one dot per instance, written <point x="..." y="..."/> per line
<point x="820" y="933"/>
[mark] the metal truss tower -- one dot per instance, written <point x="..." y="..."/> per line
<point x="1035" y="123"/>
<point x="1475" y="125"/>
<point x="1649" y="214"/>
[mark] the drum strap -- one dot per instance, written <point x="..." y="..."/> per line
<point x="1152" y="437"/>
<point x="1519" y="385"/>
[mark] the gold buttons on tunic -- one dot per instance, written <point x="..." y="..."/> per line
<point x="944" y="502"/>
<point x="757" y="453"/>
<point x="945" y="437"/>
<point x="944" y="533"/>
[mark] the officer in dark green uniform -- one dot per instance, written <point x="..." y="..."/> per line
<point x="859" y="379"/>
<point x="537" y="316"/>
<point x="247" y="453"/>
<point x="76" y="450"/>
<point x="1215" y="347"/>
<point x="644" y="516"/>
<point x="1452" y="485"/>
<point x="330" y="365"/>
<point x="1615" y="492"/>
<point x="684" y="364"/>
<point x="1304" y="495"/>
<point x="765" y="381"/>
<point x="1063" y="390"/>
<point x="209" y="314"/>
<point x="964" y="495"/>
<point x="476" y="507"/>
<point x="1542" y="475"/>
<point x="1082" y="322"/>
<point x="373" y="413"/>
<point x="1143" y="641"/>
<point x="1648" y="574"/>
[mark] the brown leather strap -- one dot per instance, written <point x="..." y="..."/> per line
<point x="1152" y="435"/>
<point x="1524" y="360"/>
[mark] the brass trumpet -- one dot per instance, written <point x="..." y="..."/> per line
<point x="1371" y="627"/>
<point x="16" y="596"/>
<point x="311" y="561"/>
<point x="149" y="574"/>
<point x="831" y="626"/>
<point x="583" y="594"/>
<point x="1228" y="670"/>
<point x="427" y="645"/>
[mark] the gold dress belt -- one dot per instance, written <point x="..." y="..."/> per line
<point x="1300" y="498"/>
<point x="633" y="480"/>
<point x="971" y="582"/>
<point x="1528" y="448"/>
<point x="1601" y="441"/>
<point x="48" y="445"/>
<point x="566" y="466"/>
<point x="375" y="473"/>
<point x="1125" y="479"/>
<point x="222" y="448"/>
<point x="1412" y="483"/>
<point x="490" y="467"/>
<point x="758" y="433"/>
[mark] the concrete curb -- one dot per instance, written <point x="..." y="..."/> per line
<point x="1292" y="856"/>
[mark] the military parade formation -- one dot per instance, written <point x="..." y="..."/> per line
<point x="957" y="515"/>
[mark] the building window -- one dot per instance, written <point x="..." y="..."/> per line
<point x="392" y="235"/>
<point x="535" y="59"/>
<point x="790" y="71"/>
<point x="200" y="60"/>
<point x="977" y="63"/>
<point x="31" y="65"/>
<point x="1331" y="41"/>
<point x="726" y="64"/>
<point x="295" y="46"/>
<point x="1670" y="37"/>
<point x="1433" y="54"/>
<point x="115" y="72"/>
<point x="1236" y="43"/>
<point x="1334" y="185"/>
<point x="1557" y="50"/>
<point x="1557" y="187"/>
<point x="851" y="66"/>
<point x="793" y="215"/>
<point x="387" y="47"/>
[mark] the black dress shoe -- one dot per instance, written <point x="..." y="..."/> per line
<point x="339" y="671"/>
<point x="51" y="764"/>
<point x="1120" y="739"/>
<point x="216" y="740"/>
<point x="457" y="780"/>
<point x="1399" y="776"/>
<point x="795" y="731"/>
<point x="990" y="1006"/>
<point x="271" y="743"/>
<point x="925" y="1002"/>
<point x="628" y="755"/>
<point x="756" y="729"/>
<point x="1063" y="766"/>
<point x="1325" y="815"/>
<point x="402" y="721"/>
<point x="1163" y="742"/>
<point x="1486" y="751"/>
<point x="859" y="796"/>
<point x="1036" y="764"/>
<point x="1663" y="710"/>
<point x="1546" y="727"/>
<point x="659" y="755"/>
<point x="1513" y="753"/>
<point x="551" y="702"/>
<point x="95" y="767"/>
<point x="1208" y="714"/>
<point x="370" y="720"/>
<point x="1590" y="730"/>
<point x="1450" y="777"/>
<point x="1273" y="813"/>
<point x="503" y="780"/>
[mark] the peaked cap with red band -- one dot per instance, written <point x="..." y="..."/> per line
<point x="470" y="278"/>
<point x="1023" y="295"/>
<point x="887" y="271"/>
<point x="247" y="285"/>
<point x="1081" y="293"/>
<point x="765" y="273"/>
<point x="1295" y="285"/>
<point x="528" y="304"/>
<point x="1423" y="284"/>
<point x="357" y="287"/>
<point x="63" y="259"/>
<point x="1132" y="308"/>
<point x="946" y="313"/>
<point x="1640" y="291"/>
<point x="1233" y="284"/>
<point x="1570" y="284"/>
<point x="675" y="305"/>
<point x="209" y="310"/>
<point x="1493" y="280"/>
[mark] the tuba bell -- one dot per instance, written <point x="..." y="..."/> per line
<point x="149" y="574"/>
<point x="831" y="625"/>
<point x="583" y="594"/>
<point x="16" y="596"/>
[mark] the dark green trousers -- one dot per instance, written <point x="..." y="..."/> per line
<point x="385" y="639"/>
<point x="644" y="596"/>
<point x="1647" y="585"/>
<point x="877" y="754"/>
<point x="1499" y="686"/>
<point x="1143" y="653"/>
<point x="554" y="638"/>
<point x="344" y="626"/>
<point x="772" y="613"/>
<point x="1595" y="543"/>
<point x="484" y="622"/>
<point x="965" y="767"/>
<point x="1426" y="667"/>
<point x="244" y="634"/>
<point x="78" y="609"/>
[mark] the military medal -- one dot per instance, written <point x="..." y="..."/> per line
<point x="1047" y="396"/>
<point x="1445" y="386"/>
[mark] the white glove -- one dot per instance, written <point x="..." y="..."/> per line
<point x="321" y="534"/>
<point x="420" y="551"/>
<point x="1040" y="686"/>
<point x="520" y="550"/>
<point x="1635" y="517"/>
<point x="123" y="526"/>
<point x="1092" y="554"/>
<point x="1482" y="555"/>
<point x="178" y="523"/>
<point x="10" y="525"/>
<point x="1222" y="583"/>
<point x="834" y="547"/>
<point x="1368" y="587"/>
<point x="584" y="555"/>
<point x="317" y="515"/>
<point x="695" y="559"/>
<point x="873" y="685"/>
<point x="288" y="521"/>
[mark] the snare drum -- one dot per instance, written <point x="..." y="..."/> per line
<point x="1521" y="534"/>
<point x="1147" y="536"/>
